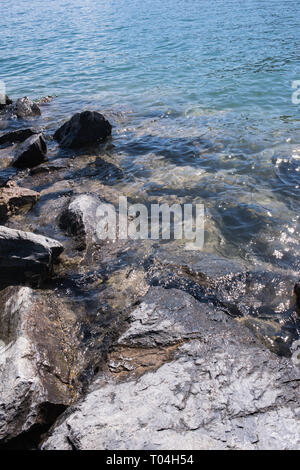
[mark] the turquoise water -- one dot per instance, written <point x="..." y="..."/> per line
<point x="199" y="93"/>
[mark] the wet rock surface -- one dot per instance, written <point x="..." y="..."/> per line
<point x="25" y="256"/>
<point x="83" y="129"/>
<point x="17" y="136"/>
<point x="31" y="153"/>
<point x="37" y="359"/>
<point x="14" y="199"/>
<point x="79" y="219"/>
<point x="6" y="102"/>
<point x="218" y="389"/>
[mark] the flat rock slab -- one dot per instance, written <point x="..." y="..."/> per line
<point x="25" y="256"/>
<point x="5" y="101"/>
<point x="13" y="199"/>
<point x="83" y="129"/>
<point x="218" y="390"/>
<point x="79" y="219"/>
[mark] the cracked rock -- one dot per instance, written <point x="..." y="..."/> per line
<point x="219" y="389"/>
<point x="13" y="199"/>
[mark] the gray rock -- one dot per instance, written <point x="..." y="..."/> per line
<point x="78" y="219"/>
<point x="25" y="256"/>
<point x="251" y="294"/>
<point x="218" y="389"/>
<point x="168" y="317"/>
<point x="6" y="102"/>
<point x="297" y="294"/>
<point x="31" y="153"/>
<point x="17" y="136"/>
<point x="36" y="359"/>
<point x="25" y="108"/>
<point x="83" y="129"/>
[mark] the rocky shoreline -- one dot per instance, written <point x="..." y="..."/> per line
<point x="116" y="346"/>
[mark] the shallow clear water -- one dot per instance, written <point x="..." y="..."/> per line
<point x="200" y="96"/>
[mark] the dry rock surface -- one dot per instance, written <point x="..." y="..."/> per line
<point x="218" y="389"/>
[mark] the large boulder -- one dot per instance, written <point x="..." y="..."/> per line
<point x="31" y="153"/>
<point x="17" y="136"/>
<point x="83" y="129"/>
<point x="25" y="108"/>
<point x="25" y="256"/>
<point x="5" y="102"/>
<point x="78" y="219"/>
<point x="13" y="199"/>
<point x="37" y="360"/>
<point x="183" y="376"/>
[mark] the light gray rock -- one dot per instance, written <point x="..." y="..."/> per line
<point x="219" y="389"/>
<point x="25" y="256"/>
<point x="79" y="220"/>
<point x="36" y="359"/>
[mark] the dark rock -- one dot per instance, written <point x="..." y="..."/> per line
<point x="25" y="108"/>
<point x="25" y="256"/>
<point x="45" y="100"/>
<point x="83" y="129"/>
<point x="13" y="199"/>
<point x="297" y="293"/>
<point x="238" y="292"/>
<point x="17" y="136"/>
<point x="8" y="102"/>
<point x="31" y="153"/>
<point x="78" y="219"/>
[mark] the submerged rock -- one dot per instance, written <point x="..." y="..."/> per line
<point x="37" y="359"/>
<point x="13" y="199"/>
<point x="17" y="136"/>
<point x="83" y="129"/>
<point x="31" y="153"/>
<point x="25" y="256"/>
<point x="185" y="376"/>
<point x="45" y="100"/>
<point x="7" y="102"/>
<point x="25" y="108"/>
<point x="78" y="219"/>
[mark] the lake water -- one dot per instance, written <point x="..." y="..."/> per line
<point x="200" y="95"/>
